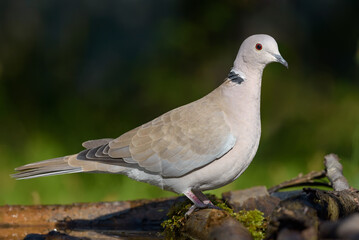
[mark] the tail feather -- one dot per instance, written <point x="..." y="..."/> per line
<point x="49" y="167"/>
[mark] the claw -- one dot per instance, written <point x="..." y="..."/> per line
<point x="200" y="201"/>
<point x="214" y="207"/>
<point x="191" y="210"/>
<point x="194" y="208"/>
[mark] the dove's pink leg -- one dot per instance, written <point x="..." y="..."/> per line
<point x="203" y="198"/>
<point x="200" y="201"/>
<point x="197" y="202"/>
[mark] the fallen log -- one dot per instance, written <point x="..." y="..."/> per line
<point x="130" y="218"/>
<point x="301" y="214"/>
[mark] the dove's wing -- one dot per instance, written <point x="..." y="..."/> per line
<point x="96" y="143"/>
<point x="173" y="144"/>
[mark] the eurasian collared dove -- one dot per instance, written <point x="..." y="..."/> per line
<point x="203" y="145"/>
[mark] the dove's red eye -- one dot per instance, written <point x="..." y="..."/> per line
<point x="259" y="46"/>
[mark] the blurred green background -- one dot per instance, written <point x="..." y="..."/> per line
<point x="77" y="70"/>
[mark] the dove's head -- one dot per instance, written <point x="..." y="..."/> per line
<point x="257" y="51"/>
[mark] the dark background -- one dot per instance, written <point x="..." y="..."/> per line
<point x="77" y="70"/>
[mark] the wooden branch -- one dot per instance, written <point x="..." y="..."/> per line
<point x="301" y="180"/>
<point x="300" y="215"/>
<point x="334" y="172"/>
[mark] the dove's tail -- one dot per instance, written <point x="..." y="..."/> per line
<point x="55" y="166"/>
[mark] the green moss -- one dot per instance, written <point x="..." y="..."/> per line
<point x="253" y="220"/>
<point x="176" y="219"/>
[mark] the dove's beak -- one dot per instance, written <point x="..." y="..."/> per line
<point x="281" y="60"/>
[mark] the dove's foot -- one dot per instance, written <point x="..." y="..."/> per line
<point x="194" y="208"/>
<point x="200" y="201"/>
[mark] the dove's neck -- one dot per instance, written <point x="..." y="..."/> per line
<point x="248" y="70"/>
<point x="245" y="83"/>
<point x="251" y="73"/>
<point x="242" y="98"/>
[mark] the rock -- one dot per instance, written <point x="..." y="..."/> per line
<point x="250" y="199"/>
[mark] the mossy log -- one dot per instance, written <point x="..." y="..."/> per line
<point x="299" y="213"/>
<point x="309" y="213"/>
<point x="214" y="224"/>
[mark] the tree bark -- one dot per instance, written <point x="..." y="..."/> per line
<point x="214" y="224"/>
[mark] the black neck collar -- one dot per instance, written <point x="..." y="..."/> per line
<point x="234" y="77"/>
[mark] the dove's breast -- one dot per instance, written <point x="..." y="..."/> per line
<point x="242" y="110"/>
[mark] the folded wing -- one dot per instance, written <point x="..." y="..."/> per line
<point x="173" y="144"/>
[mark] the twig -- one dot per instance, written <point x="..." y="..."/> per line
<point x="301" y="180"/>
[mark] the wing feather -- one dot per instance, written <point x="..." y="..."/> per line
<point x="173" y="144"/>
<point x="179" y="141"/>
